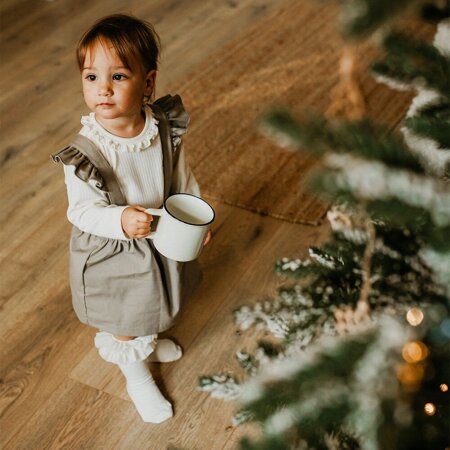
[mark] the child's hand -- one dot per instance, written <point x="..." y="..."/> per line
<point x="136" y="222"/>
<point x="207" y="238"/>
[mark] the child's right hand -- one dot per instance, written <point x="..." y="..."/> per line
<point x="136" y="222"/>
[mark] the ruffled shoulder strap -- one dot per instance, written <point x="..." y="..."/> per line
<point x="177" y="116"/>
<point x="84" y="169"/>
<point x="91" y="165"/>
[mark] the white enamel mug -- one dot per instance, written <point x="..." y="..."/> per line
<point x="182" y="228"/>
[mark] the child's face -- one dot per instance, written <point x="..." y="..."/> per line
<point x="111" y="90"/>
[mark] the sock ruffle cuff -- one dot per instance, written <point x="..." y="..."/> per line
<point x="124" y="352"/>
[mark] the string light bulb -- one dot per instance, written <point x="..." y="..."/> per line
<point x="414" y="316"/>
<point x="443" y="387"/>
<point x="414" y="352"/>
<point x="430" y="409"/>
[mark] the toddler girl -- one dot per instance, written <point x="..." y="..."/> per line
<point x="128" y="156"/>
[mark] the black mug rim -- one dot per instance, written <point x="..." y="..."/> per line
<point x="188" y="223"/>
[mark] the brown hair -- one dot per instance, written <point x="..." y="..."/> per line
<point x="132" y="39"/>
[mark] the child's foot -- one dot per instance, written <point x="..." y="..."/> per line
<point x="147" y="398"/>
<point x="165" y="351"/>
<point x="131" y="356"/>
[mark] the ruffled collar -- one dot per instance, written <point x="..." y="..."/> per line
<point x="120" y="144"/>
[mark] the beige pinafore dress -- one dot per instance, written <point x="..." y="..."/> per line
<point x="126" y="287"/>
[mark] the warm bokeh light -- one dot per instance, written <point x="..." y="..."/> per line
<point x="414" y="316"/>
<point x="414" y="351"/>
<point x="430" y="409"/>
<point x="443" y="387"/>
<point x="410" y="375"/>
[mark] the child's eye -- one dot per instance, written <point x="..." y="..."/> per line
<point x="91" y="77"/>
<point x="119" y="77"/>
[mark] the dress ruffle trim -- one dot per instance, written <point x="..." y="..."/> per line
<point x="124" y="352"/>
<point x="136" y="144"/>
<point x="84" y="169"/>
<point x="177" y="116"/>
<point x="178" y="122"/>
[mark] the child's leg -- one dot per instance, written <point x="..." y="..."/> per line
<point x="130" y="355"/>
<point x="125" y="338"/>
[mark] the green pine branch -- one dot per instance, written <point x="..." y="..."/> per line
<point x="433" y="122"/>
<point x="417" y="202"/>
<point x="319" y="136"/>
<point x="312" y="395"/>
<point x="361" y="18"/>
<point x="414" y="62"/>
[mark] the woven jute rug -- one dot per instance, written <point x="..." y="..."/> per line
<point x="290" y="58"/>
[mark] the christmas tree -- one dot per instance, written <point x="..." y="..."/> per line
<point x="363" y="327"/>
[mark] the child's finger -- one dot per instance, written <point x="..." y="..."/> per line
<point x="144" y="217"/>
<point x="141" y="212"/>
<point x="208" y="238"/>
<point x="141" y="230"/>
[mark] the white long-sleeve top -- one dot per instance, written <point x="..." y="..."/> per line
<point x="138" y="165"/>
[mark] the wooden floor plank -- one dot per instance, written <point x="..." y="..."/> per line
<point x="75" y="416"/>
<point x="45" y="361"/>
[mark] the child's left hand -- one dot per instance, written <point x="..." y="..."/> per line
<point x="207" y="238"/>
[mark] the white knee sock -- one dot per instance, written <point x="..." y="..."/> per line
<point x="147" y="398"/>
<point x="130" y="356"/>
<point x="166" y="351"/>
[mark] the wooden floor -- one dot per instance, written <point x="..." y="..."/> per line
<point x="55" y="391"/>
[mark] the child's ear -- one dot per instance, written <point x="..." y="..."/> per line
<point x="150" y="80"/>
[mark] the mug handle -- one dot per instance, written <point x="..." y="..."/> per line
<point x="154" y="212"/>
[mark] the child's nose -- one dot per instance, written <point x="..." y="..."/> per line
<point x="104" y="88"/>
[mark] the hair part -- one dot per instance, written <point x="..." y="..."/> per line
<point x="133" y="40"/>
